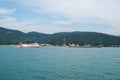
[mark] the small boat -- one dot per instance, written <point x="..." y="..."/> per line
<point x="32" y="45"/>
<point x="74" y="45"/>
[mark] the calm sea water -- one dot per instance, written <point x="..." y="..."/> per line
<point x="59" y="63"/>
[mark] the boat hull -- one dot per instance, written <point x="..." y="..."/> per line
<point x="32" y="45"/>
<point x="29" y="47"/>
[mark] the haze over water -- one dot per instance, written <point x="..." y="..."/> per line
<point x="59" y="63"/>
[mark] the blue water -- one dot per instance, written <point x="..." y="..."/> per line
<point x="59" y="63"/>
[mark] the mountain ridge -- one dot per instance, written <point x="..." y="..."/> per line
<point x="9" y="36"/>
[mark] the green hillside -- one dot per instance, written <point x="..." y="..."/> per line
<point x="8" y="36"/>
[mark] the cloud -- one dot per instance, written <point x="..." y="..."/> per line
<point x="105" y="13"/>
<point x="77" y="10"/>
<point x="28" y="25"/>
<point x="113" y="31"/>
<point x="7" y="19"/>
<point x="58" y="22"/>
<point x="38" y="25"/>
<point x="6" y="11"/>
<point x="74" y="8"/>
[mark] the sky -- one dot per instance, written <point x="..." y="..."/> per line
<point x="51" y="16"/>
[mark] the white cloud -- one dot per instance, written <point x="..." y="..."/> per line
<point x="33" y="25"/>
<point x="7" y="19"/>
<point x="113" y="31"/>
<point x="75" y="8"/>
<point x="6" y="11"/>
<point x="77" y="11"/>
<point x="29" y="25"/>
<point x="38" y="28"/>
<point x="108" y="10"/>
<point x="58" y="22"/>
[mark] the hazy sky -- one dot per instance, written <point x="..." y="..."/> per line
<point x="50" y="16"/>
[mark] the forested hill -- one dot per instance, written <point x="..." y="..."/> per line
<point x="8" y="36"/>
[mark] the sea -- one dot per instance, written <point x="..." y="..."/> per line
<point x="59" y="63"/>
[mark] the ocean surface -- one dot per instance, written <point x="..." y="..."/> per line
<point x="59" y="63"/>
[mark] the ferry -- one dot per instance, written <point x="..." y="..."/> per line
<point x="32" y="45"/>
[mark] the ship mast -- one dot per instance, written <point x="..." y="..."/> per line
<point x="64" y="42"/>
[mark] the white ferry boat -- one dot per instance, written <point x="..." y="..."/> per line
<point x="32" y="45"/>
